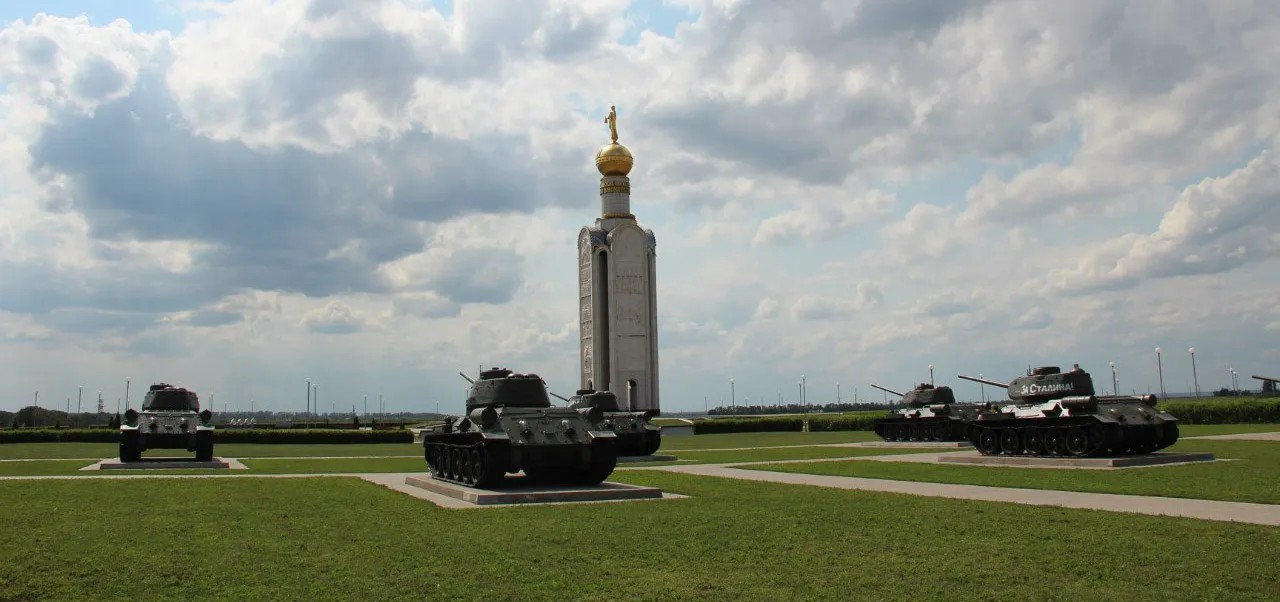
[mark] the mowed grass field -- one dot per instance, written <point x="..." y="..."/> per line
<point x="342" y="538"/>
<point x="1248" y="471"/>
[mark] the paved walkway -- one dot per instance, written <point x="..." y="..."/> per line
<point x="1258" y="514"/>
<point x="1242" y="436"/>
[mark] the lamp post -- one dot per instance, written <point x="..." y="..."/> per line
<point x="930" y="375"/>
<point x="838" y="393"/>
<point x="1231" y="372"/>
<point x="733" y="396"/>
<point x="308" y="410"/>
<point x="1194" y="378"/>
<point x="315" y="398"/>
<point x="1235" y="381"/>
<point x="126" y="392"/>
<point x="983" y="388"/>
<point x="79" y="397"/>
<point x="381" y="410"/>
<point x="1114" y="385"/>
<point x="366" y="406"/>
<point x="1160" y="371"/>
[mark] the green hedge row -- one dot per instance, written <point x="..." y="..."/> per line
<point x="844" y="422"/>
<point x="219" y="436"/>
<point x="1235" y="411"/>
<point x="748" y="425"/>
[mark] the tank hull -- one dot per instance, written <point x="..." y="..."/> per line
<point x="1088" y="429"/>
<point x="550" y="446"/>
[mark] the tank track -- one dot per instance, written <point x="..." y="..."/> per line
<point x="643" y="443"/>
<point x="471" y="464"/>
<point x="919" y="429"/>
<point x="1069" y="438"/>
<point x="483" y="464"/>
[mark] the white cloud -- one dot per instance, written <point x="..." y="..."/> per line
<point x="978" y="186"/>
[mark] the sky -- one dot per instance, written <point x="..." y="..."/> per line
<point x="239" y="196"/>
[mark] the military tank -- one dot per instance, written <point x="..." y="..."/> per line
<point x="170" y="419"/>
<point x="1268" y="379"/>
<point x="929" y="413"/>
<point x="637" y="436"/>
<point x="511" y="426"/>
<point x="1056" y="413"/>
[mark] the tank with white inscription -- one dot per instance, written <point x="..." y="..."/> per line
<point x="510" y="426"/>
<point x="928" y="413"/>
<point x="170" y="419"/>
<point x="637" y="435"/>
<point x="1056" y="413"/>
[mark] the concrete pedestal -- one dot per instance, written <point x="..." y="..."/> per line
<point x="1155" y="459"/>
<point x="650" y="458"/>
<point x="905" y="444"/>
<point x="515" y="492"/>
<point x="166" y="464"/>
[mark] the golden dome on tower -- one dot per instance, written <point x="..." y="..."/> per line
<point x="614" y="160"/>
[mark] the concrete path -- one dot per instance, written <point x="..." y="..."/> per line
<point x="1242" y="436"/>
<point x="1258" y="514"/>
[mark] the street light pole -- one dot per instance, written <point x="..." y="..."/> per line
<point x="307" y="411"/>
<point x="1194" y="378"/>
<point x="930" y="375"/>
<point x="838" y="393"/>
<point x="984" y="389"/>
<point x="126" y="392"/>
<point x="1114" y="389"/>
<point x="733" y="396"/>
<point x="804" y="394"/>
<point x="1160" y="371"/>
<point x="79" y="397"/>
<point x="366" y="406"/>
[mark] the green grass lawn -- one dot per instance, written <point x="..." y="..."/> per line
<point x="734" y="440"/>
<point x="307" y="465"/>
<point x="340" y="538"/>
<point x="1252" y="475"/>
<point x="1197" y="430"/>
<point x="229" y="450"/>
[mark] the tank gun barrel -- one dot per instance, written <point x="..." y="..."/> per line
<point x="562" y="397"/>
<point x="887" y="390"/>
<point x="985" y="381"/>
<point x="468" y="378"/>
<point x="1268" y="378"/>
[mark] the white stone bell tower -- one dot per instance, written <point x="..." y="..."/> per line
<point x="617" y="292"/>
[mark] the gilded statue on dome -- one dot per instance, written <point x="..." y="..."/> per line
<point x="612" y="120"/>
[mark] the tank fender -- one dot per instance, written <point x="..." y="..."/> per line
<point x="128" y="427"/>
<point x="594" y="434"/>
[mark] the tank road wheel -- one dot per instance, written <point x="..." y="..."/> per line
<point x="1033" y="441"/>
<point x="476" y="461"/>
<point x="1010" y="441"/>
<point x="1078" y="442"/>
<point x="455" y="463"/>
<point x="903" y="433"/>
<point x="989" y="442"/>
<point x="1055" y="441"/>
<point x="916" y="433"/>
<point x="431" y="453"/>
<point x="1097" y="439"/>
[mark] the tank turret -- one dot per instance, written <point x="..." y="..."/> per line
<point x="1056" y="413"/>
<point x="511" y="427"/>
